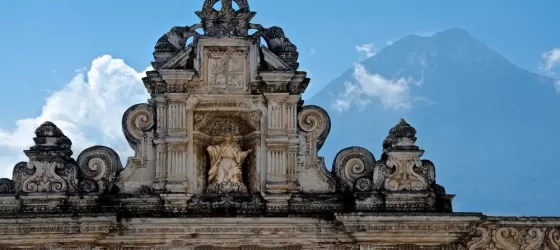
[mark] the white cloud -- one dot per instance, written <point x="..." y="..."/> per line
<point x="551" y="59"/>
<point x="393" y="94"/>
<point x="88" y="110"/>
<point x="551" y="62"/>
<point x="368" y="49"/>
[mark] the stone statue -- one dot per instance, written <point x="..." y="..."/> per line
<point x="226" y="160"/>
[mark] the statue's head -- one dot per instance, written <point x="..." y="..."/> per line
<point x="228" y="137"/>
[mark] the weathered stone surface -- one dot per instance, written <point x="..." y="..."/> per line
<point x="262" y="186"/>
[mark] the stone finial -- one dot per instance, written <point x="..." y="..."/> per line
<point x="226" y="21"/>
<point x="402" y="136"/>
<point x="50" y="167"/>
<point x="403" y="129"/>
<point x="49" y="138"/>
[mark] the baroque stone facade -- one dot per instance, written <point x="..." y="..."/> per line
<point x="226" y="157"/>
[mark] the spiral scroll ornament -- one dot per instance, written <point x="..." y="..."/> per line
<point x="315" y="120"/>
<point x="512" y="237"/>
<point x="353" y="164"/>
<point x="137" y="120"/>
<point x="99" y="164"/>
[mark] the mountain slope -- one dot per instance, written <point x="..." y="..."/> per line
<point x="490" y="127"/>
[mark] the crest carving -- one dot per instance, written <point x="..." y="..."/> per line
<point x="226" y="70"/>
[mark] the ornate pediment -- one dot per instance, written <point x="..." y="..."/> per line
<point x="225" y="131"/>
<point x="226" y="156"/>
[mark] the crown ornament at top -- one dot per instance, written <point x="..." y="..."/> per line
<point x="402" y="136"/>
<point x="227" y="21"/>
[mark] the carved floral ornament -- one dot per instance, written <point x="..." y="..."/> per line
<point x="493" y="237"/>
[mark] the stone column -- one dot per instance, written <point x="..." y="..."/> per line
<point x="277" y="143"/>
<point x="198" y="160"/>
<point x="161" y="165"/>
<point x="161" y="115"/>
<point x="293" y="141"/>
<point x="192" y="176"/>
<point x="160" y="103"/>
<point x="253" y="141"/>
<point x="176" y="140"/>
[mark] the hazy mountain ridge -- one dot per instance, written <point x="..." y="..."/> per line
<point x="490" y="126"/>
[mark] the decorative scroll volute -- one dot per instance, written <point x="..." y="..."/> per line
<point x="138" y="126"/>
<point x="495" y="237"/>
<point x="137" y="120"/>
<point x="315" y="125"/>
<point x="354" y="169"/>
<point x="100" y="164"/>
<point x="315" y="121"/>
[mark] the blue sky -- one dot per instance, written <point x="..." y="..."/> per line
<point x="49" y="47"/>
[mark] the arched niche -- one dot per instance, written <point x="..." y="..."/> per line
<point x="209" y="128"/>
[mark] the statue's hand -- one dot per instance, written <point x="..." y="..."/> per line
<point x="250" y="150"/>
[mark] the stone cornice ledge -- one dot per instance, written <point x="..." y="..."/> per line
<point x="50" y="230"/>
<point x="408" y="228"/>
<point x="262" y="231"/>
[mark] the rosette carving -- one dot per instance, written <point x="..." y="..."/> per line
<point x="363" y="184"/>
<point x="352" y="164"/>
<point x="101" y="165"/>
<point x="137" y="120"/>
<point x="315" y="121"/>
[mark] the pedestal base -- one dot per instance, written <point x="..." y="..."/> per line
<point x="227" y="188"/>
<point x="226" y="205"/>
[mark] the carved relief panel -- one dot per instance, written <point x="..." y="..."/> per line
<point x="226" y="70"/>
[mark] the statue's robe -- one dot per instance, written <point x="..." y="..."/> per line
<point x="226" y="163"/>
